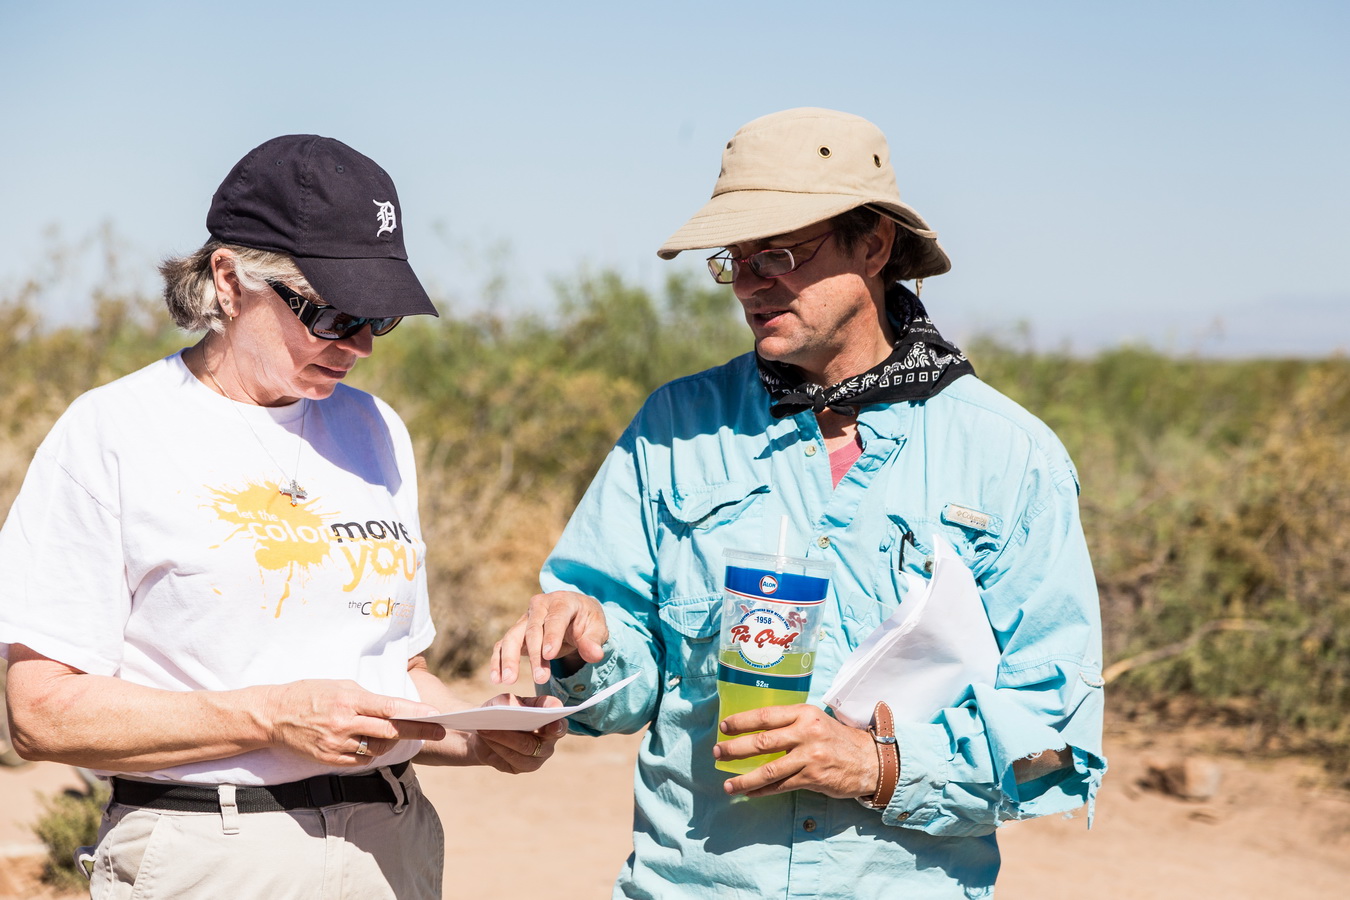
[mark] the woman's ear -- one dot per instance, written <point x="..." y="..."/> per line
<point x="229" y="293"/>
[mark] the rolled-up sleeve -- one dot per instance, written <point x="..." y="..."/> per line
<point x="956" y="773"/>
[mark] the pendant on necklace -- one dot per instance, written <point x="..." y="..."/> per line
<point x="294" y="491"/>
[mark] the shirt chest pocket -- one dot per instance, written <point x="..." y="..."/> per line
<point x="704" y="507"/>
<point x="905" y="561"/>
<point x="691" y="630"/>
<point x="908" y="541"/>
<point x="698" y="523"/>
<point x="696" y="527"/>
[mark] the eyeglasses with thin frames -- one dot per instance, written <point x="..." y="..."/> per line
<point x="774" y="262"/>
<point x="328" y="323"/>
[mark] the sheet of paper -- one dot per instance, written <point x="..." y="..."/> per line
<point x="516" y="718"/>
<point x="926" y="655"/>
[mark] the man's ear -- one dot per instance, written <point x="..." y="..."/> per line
<point x="877" y="246"/>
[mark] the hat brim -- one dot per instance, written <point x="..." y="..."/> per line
<point x="736" y="217"/>
<point x="371" y="287"/>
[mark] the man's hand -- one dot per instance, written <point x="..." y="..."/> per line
<point x="821" y="754"/>
<point x="559" y="625"/>
<point x="519" y="751"/>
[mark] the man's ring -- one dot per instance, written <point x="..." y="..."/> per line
<point x="362" y="749"/>
<point x="538" y="745"/>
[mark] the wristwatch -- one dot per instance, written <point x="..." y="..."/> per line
<point x="882" y="731"/>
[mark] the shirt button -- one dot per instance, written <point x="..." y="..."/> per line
<point x="809" y="824"/>
<point x="578" y="688"/>
<point x="810" y="450"/>
<point x="900" y="817"/>
<point x="823" y="541"/>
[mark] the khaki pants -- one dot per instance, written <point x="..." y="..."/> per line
<point x="348" y="850"/>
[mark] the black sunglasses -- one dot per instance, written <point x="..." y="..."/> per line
<point x="328" y="323"/>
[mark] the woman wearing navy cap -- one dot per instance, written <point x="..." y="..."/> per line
<point x="216" y="594"/>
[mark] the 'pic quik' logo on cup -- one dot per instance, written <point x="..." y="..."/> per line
<point x="769" y="613"/>
<point x="763" y="637"/>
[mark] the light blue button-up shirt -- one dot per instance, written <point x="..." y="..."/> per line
<point x="703" y="468"/>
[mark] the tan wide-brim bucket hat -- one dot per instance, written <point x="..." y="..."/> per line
<point x="791" y="169"/>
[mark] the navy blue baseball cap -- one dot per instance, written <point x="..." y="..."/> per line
<point x="332" y="210"/>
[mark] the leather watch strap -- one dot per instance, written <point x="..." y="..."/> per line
<point x="882" y="730"/>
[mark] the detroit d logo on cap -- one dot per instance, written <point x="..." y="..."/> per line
<point x="385" y="216"/>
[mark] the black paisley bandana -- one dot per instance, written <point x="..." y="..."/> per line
<point x="921" y="365"/>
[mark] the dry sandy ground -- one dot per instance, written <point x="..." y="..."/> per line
<point x="1271" y="831"/>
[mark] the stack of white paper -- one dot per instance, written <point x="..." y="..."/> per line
<point x="925" y="656"/>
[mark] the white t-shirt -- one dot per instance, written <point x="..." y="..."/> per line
<point x="150" y="542"/>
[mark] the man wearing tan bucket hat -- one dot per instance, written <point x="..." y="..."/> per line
<point x="919" y="455"/>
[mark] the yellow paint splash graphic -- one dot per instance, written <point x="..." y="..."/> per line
<point x="285" y="537"/>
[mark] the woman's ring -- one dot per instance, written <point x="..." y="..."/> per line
<point x="539" y="745"/>
<point x="362" y="749"/>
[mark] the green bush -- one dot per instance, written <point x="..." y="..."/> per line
<point x="70" y="820"/>
<point x="1214" y="493"/>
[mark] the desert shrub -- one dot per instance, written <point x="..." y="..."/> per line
<point x="1215" y="493"/>
<point x="69" y="820"/>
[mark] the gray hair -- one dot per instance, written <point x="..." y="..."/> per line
<point x="190" y="286"/>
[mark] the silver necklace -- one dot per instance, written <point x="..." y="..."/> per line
<point x="292" y="488"/>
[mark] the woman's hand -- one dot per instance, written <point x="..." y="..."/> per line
<point x="328" y="720"/>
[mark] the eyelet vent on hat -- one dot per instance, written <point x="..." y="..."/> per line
<point x="340" y="169"/>
<point x="824" y="152"/>
<point x="876" y="160"/>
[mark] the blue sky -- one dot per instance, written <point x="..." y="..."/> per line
<point x="1166" y="173"/>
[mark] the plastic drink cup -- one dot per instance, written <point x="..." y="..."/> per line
<point x="771" y="611"/>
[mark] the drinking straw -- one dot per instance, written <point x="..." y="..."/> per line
<point x="782" y="542"/>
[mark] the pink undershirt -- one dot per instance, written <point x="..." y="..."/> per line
<point x="842" y="460"/>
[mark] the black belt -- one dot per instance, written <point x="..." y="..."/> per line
<point x="311" y="793"/>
